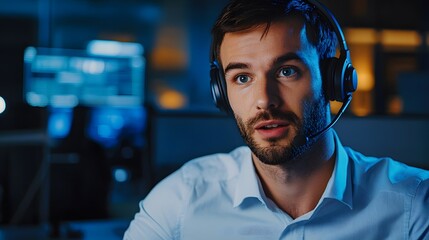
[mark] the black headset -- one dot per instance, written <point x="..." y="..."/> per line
<point x="339" y="77"/>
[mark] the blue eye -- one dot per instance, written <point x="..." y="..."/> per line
<point x="287" y="72"/>
<point x="241" y="79"/>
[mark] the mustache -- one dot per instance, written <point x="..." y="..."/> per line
<point x="273" y="114"/>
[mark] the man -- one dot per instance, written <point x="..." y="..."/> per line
<point x="270" y="56"/>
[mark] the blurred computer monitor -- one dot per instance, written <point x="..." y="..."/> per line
<point x="107" y="73"/>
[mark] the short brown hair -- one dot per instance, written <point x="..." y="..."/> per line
<point x="239" y="15"/>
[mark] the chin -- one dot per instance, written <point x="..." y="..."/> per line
<point x="277" y="152"/>
<point x="272" y="153"/>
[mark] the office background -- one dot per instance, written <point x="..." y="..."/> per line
<point x="85" y="132"/>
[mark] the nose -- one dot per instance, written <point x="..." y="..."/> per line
<point x="267" y="94"/>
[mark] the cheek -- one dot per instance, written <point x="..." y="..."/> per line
<point x="238" y="107"/>
<point x="295" y="95"/>
<point x="237" y="101"/>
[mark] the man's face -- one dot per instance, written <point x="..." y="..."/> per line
<point x="274" y="88"/>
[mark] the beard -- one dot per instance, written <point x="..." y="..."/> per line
<point x="314" y="119"/>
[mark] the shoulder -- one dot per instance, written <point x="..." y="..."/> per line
<point x="162" y="209"/>
<point x="215" y="167"/>
<point x="199" y="172"/>
<point x="386" y="172"/>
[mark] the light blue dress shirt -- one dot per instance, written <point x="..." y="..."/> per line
<point x="220" y="197"/>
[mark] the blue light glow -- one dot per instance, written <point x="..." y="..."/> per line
<point x="108" y="74"/>
<point x="105" y="131"/>
<point x="59" y="122"/>
<point x="120" y="175"/>
<point x="114" y="48"/>
<point x="109" y="125"/>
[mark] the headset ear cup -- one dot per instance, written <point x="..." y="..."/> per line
<point x="214" y="87"/>
<point x="218" y="88"/>
<point x="350" y="80"/>
<point x="345" y="78"/>
<point x="340" y="68"/>
<point x="328" y="70"/>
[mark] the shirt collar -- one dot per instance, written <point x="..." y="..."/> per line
<point x="339" y="185"/>
<point x="248" y="184"/>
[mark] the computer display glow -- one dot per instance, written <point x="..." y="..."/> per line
<point x="67" y="78"/>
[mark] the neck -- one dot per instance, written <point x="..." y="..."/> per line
<point x="296" y="187"/>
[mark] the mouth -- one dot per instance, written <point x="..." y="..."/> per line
<point x="271" y="124"/>
<point x="272" y="129"/>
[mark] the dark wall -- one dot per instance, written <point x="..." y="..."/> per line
<point x="16" y="33"/>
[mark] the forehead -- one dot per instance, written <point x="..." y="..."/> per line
<point x="286" y="35"/>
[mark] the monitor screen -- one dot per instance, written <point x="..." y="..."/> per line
<point x="67" y="78"/>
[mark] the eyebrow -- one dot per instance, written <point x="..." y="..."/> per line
<point x="284" y="58"/>
<point x="288" y="57"/>
<point x="232" y="66"/>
